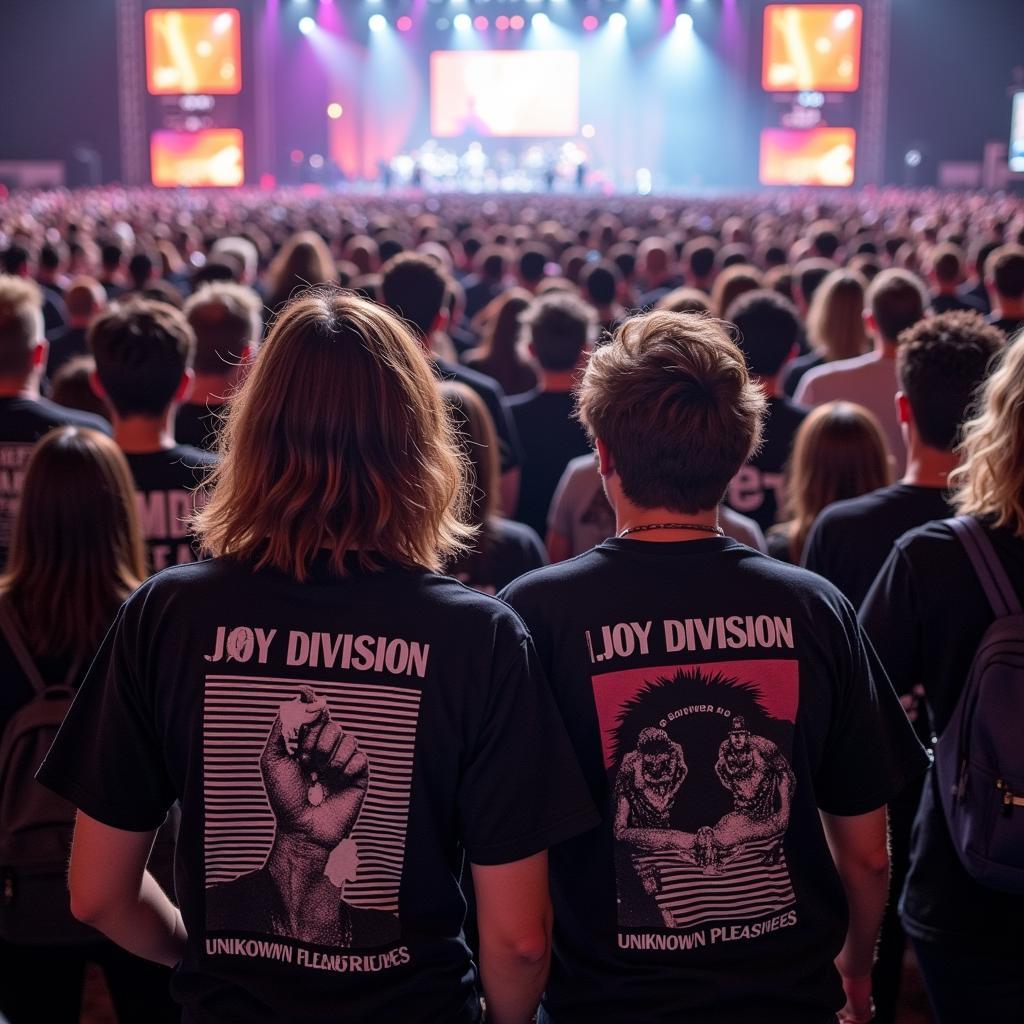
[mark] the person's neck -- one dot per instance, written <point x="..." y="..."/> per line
<point x="19" y="387"/>
<point x="141" y="435"/>
<point x="928" y="467"/>
<point x="671" y="525"/>
<point x="1008" y="309"/>
<point x="883" y="348"/>
<point x="210" y="389"/>
<point x="558" y="381"/>
<point x="946" y="288"/>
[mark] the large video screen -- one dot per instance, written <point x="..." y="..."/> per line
<point x="1017" y="135"/>
<point x="210" y="158"/>
<point x="811" y="47"/>
<point x="504" y="93"/>
<point x="193" y="50"/>
<point x="819" y="156"/>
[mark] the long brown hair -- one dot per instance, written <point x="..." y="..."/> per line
<point x="498" y="351"/>
<point x="479" y="439"/>
<point x="839" y="452"/>
<point x="338" y="439"/>
<point x="835" y="320"/>
<point x="302" y="261"/>
<point x="77" y="551"/>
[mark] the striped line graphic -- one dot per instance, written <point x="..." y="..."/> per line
<point x="238" y="714"/>
<point x="746" y="888"/>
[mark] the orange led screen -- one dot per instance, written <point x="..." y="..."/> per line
<point x="192" y="50"/>
<point x="820" y="156"/>
<point x="197" y="159"/>
<point x="811" y="46"/>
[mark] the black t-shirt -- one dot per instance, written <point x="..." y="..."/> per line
<point x="197" y="424"/>
<point x="165" y="494"/>
<point x="757" y="490"/>
<point x="956" y="303"/>
<point x="1009" y="325"/>
<point x="926" y="615"/>
<point x="64" y="346"/>
<point x="509" y="550"/>
<point x="22" y="422"/>
<point x="347" y="740"/>
<point x="494" y="398"/>
<point x="796" y="368"/>
<point x="550" y="438"/>
<point x="851" y="539"/>
<point x="716" y="699"/>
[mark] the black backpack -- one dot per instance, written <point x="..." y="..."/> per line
<point x="36" y="825"/>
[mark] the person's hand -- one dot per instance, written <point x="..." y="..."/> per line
<point x="323" y="809"/>
<point x="859" y="1008"/>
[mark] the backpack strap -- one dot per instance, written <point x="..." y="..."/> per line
<point x="985" y="562"/>
<point x="12" y="634"/>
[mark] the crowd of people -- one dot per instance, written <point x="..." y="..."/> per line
<point x="269" y="457"/>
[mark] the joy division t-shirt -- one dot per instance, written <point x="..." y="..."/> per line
<point x="716" y="699"/>
<point x="22" y="422"/>
<point x="166" y="495"/>
<point x="337" y="746"/>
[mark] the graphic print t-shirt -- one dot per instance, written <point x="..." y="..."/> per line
<point x="716" y="699"/>
<point x="166" y="495"/>
<point x="22" y="422"/>
<point x="338" y="748"/>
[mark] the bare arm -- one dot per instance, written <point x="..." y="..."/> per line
<point x="514" y="919"/>
<point x="860" y="850"/>
<point x="112" y="891"/>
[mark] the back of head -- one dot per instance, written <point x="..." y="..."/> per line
<point x="72" y="387"/>
<point x="84" y="298"/>
<point x="140" y="269"/>
<point x="808" y="276"/>
<point x="14" y="260"/>
<point x="824" y="238"/>
<point x="731" y="283"/>
<point x="685" y="300"/>
<point x="699" y="257"/>
<point x="414" y="287"/>
<point x="338" y="440"/>
<point x="768" y="326"/>
<point x="111" y="255"/>
<point x="941" y="362"/>
<point x="897" y="300"/>
<point x="226" y="319"/>
<point x="989" y="483"/>
<point x="502" y="333"/>
<point x="947" y="264"/>
<point x="77" y="550"/>
<point x="243" y="250"/>
<point x="600" y="283"/>
<point x="478" y="440"/>
<point x="671" y="399"/>
<point x="559" y="326"/>
<point x="835" y="321"/>
<point x="304" y="261"/>
<point x="142" y="350"/>
<point x="21" y="325"/>
<point x="1005" y="269"/>
<point x="532" y="263"/>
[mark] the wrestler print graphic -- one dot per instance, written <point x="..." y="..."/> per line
<point x="701" y="785"/>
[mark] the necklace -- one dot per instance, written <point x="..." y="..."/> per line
<point x="704" y="528"/>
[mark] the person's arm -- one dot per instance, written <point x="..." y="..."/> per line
<point x="860" y="849"/>
<point x="112" y="891"/>
<point x="514" y="919"/>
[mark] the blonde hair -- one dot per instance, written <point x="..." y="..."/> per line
<point x="835" y="319"/>
<point x="21" y="324"/>
<point x="989" y="482"/>
<point x="839" y="452"/>
<point x="337" y="439"/>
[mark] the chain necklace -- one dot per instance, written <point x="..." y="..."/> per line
<point x="703" y="527"/>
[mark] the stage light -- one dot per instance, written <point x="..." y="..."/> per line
<point x="404" y="23"/>
<point x="297" y="156"/>
<point x="540" y="20"/>
<point x="844" y="19"/>
<point x="377" y="23"/>
<point x="501" y="23"/>
<point x="306" y="25"/>
<point x="590" y="23"/>
<point x="442" y="24"/>
<point x="223" y="22"/>
<point x="588" y="131"/>
<point x="463" y="22"/>
<point x="617" y="20"/>
<point x="334" y="111"/>
<point x="316" y="161"/>
<point x="913" y="158"/>
<point x="480" y="23"/>
<point x="517" y="23"/>
<point x="684" y="22"/>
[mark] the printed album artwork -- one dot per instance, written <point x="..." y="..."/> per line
<point x="701" y="783"/>
<point x="313" y="776"/>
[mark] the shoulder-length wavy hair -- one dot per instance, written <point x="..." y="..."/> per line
<point x="989" y="482"/>
<point x="77" y="551"/>
<point x="303" y="261"/>
<point x="337" y="440"/>
<point x="835" y="320"/>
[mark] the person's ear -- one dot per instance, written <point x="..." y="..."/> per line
<point x="39" y="354"/>
<point x="870" y="322"/>
<point x="97" y="387"/>
<point x="605" y="465"/>
<point x="184" y="388"/>
<point x="440" y="321"/>
<point x="903" y="413"/>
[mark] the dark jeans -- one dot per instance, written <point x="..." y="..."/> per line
<point x="968" y="986"/>
<point x="44" y="983"/>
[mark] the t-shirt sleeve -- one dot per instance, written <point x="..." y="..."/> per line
<point x="504" y="424"/>
<point x="106" y="757"/>
<point x="815" y="550"/>
<point x="870" y="752"/>
<point x="522" y="790"/>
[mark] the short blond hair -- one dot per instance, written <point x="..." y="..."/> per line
<point x="21" y="324"/>
<point x="989" y="482"/>
<point x="338" y="439"/>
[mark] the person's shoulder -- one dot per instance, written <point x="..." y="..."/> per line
<point x="465" y="375"/>
<point x="60" y="416"/>
<point x="853" y="512"/>
<point x="476" y="613"/>
<point x="928" y="541"/>
<point x="523" y="400"/>
<point x="194" y="458"/>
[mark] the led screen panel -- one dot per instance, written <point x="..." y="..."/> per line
<point x="192" y="50"/>
<point x="1017" y="135"/>
<point x="811" y="47"/>
<point x="504" y="93"/>
<point x="211" y="158"/>
<point x="820" y="156"/>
